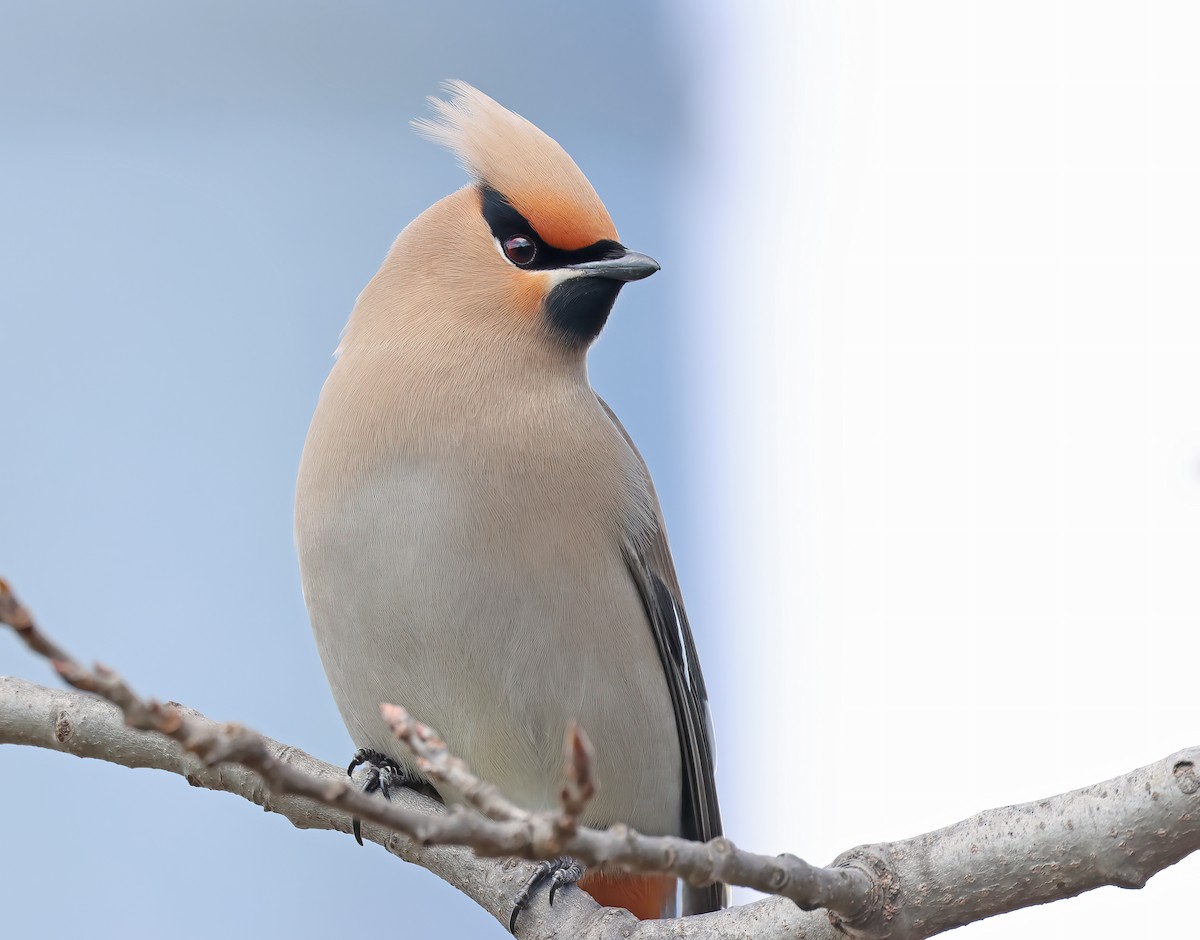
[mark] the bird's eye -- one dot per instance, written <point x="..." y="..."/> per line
<point x="520" y="250"/>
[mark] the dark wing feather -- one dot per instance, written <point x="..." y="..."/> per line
<point x="654" y="574"/>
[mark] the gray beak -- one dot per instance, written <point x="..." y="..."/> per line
<point x="631" y="266"/>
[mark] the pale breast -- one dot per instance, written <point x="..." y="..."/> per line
<point x="479" y="581"/>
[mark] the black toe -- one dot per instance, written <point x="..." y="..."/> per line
<point x="561" y="873"/>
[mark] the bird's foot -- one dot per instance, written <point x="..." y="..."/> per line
<point x="560" y="873"/>
<point x="383" y="774"/>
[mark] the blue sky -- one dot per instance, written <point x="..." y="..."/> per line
<point x="193" y="197"/>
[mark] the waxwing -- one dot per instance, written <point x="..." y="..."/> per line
<point x="479" y="539"/>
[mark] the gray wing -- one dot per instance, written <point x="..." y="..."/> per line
<point x="654" y="574"/>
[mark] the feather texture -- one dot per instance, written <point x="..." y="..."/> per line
<point x="479" y="539"/>
<point x="653" y="572"/>
<point x="514" y="157"/>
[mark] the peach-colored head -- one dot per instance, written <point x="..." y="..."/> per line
<point x="526" y="252"/>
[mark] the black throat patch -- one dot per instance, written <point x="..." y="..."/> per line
<point x="578" y="308"/>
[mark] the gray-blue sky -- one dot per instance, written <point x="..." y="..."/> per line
<point x="192" y="197"/>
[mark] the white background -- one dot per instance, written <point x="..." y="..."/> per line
<point x="952" y="419"/>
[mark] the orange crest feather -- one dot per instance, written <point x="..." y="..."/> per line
<point x="502" y="150"/>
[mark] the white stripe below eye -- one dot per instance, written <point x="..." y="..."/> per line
<point x="556" y="275"/>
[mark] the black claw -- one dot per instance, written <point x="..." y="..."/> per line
<point x="365" y="755"/>
<point x="570" y="873"/>
<point x="521" y="901"/>
<point x="382" y="774"/>
<point x="389" y="776"/>
<point x="565" y="871"/>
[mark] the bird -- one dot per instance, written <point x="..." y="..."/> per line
<point x="479" y="539"/>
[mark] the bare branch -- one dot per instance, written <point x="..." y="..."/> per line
<point x="499" y="828"/>
<point x="14" y="613"/>
<point x="510" y="833"/>
<point x="848" y="891"/>
<point x="580" y="787"/>
<point x="1120" y="832"/>
<point x="436" y="762"/>
<point x="86" y="726"/>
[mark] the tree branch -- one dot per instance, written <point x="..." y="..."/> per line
<point x="1120" y="832"/>
<point x="515" y="833"/>
<point x="85" y="726"/>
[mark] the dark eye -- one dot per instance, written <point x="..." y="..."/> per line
<point x="520" y="250"/>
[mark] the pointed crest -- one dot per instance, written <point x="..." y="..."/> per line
<point x="506" y="152"/>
